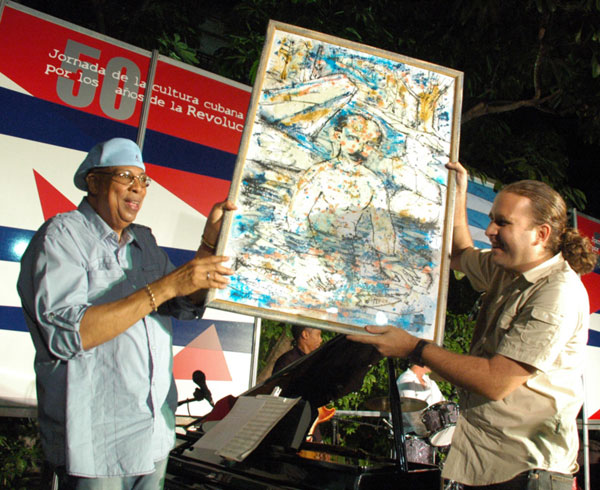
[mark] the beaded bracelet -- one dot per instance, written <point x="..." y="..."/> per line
<point x="152" y="298"/>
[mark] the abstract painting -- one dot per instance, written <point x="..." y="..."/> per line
<point x="341" y="187"/>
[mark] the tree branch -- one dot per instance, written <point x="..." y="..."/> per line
<point x="537" y="85"/>
<point x="484" y="108"/>
<point x="537" y="101"/>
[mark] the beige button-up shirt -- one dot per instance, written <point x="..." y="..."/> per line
<point x="539" y="318"/>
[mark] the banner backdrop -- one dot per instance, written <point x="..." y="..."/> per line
<point x="590" y="227"/>
<point x="480" y="197"/>
<point x="62" y="90"/>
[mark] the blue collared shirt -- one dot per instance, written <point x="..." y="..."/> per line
<point x="108" y="411"/>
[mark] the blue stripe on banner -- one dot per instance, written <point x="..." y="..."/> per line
<point x="477" y="219"/>
<point x="233" y="336"/>
<point x="236" y="336"/>
<point x="35" y="119"/>
<point x="481" y="190"/>
<point x="27" y="117"/>
<point x="179" y="256"/>
<point x="13" y="242"/>
<point x="11" y="318"/>
<point x="181" y="154"/>
<point x="593" y="338"/>
<point x="481" y="245"/>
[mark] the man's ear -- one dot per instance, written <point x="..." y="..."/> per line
<point x="92" y="183"/>
<point x="543" y="233"/>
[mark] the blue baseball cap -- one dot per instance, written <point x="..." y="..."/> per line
<point x="116" y="152"/>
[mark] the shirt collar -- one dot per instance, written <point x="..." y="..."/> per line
<point x="542" y="270"/>
<point x="100" y="226"/>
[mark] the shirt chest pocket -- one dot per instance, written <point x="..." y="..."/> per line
<point x="542" y="328"/>
<point x="536" y="327"/>
<point x="151" y="272"/>
<point x="104" y="274"/>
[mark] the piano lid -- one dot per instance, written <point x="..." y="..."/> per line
<point x="335" y="369"/>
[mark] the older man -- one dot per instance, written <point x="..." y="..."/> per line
<point x="97" y="294"/>
<point x="522" y="379"/>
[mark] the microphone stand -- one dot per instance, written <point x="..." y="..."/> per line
<point x="198" y="397"/>
<point x="396" y="411"/>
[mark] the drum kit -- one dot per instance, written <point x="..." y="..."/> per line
<point x="439" y="421"/>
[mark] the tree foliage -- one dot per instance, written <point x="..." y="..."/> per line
<point x="531" y="92"/>
<point x="20" y="453"/>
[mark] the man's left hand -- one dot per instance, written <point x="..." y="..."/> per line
<point x="215" y="220"/>
<point x="388" y="340"/>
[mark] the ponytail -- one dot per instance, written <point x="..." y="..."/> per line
<point x="577" y="251"/>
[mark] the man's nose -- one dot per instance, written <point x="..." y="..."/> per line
<point x="136" y="184"/>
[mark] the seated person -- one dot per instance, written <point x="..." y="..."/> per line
<point x="416" y="383"/>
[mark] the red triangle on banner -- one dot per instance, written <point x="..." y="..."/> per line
<point x="198" y="191"/>
<point x="51" y="200"/>
<point x="211" y="362"/>
<point x="591" y="282"/>
<point x="204" y="353"/>
<point x="596" y="416"/>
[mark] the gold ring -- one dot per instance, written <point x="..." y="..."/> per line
<point x="208" y="276"/>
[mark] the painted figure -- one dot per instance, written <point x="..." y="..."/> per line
<point x="333" y="196"/>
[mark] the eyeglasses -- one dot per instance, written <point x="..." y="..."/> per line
<point x="127" y="178"/>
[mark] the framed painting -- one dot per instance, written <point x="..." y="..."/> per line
<point x="344" y="202"/>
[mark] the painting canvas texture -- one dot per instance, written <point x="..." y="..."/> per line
<point x="341" y="187"/>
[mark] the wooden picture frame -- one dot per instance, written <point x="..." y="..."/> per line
<point x="344" y="202"/>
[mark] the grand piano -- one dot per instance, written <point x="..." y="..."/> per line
<point x="284" y="460"/>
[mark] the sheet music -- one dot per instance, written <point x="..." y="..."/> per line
<point x="246" y="425"/>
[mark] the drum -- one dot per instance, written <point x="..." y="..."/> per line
<point x="418" y="450"/>
<point x="440" y="420"/>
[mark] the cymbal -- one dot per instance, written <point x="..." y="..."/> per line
<point x="382" y="404"/>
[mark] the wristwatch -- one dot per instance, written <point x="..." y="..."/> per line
<point x="415" y="356"/>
